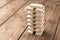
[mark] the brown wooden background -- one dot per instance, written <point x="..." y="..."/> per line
<point x="13" y="20"/>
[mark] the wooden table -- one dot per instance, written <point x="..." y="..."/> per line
<point x="13" y="20"/>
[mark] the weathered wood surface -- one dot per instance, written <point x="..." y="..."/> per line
<point x="4" y="3"/>
<point x="57" y="33"/>
<point x="57" y="36"/>
<point x="13" y="28"/>
<point x="10" y="9"/>
<point x="13" y="20"/>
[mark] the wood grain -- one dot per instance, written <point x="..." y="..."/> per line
<point x="13" y="20"/>
<point x="9" y="10"/>
<point x="4" y="3"/>
<point x="57" y="34"/>
<point x="13" y="28"/>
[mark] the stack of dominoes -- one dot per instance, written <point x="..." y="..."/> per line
<point x="35" y="18"/>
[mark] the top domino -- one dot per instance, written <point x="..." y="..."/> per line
<point x="37" y="6"/>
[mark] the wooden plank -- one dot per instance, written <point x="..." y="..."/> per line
<point x="4" y="3"/>
<point x="51" y="27"/>
<point x="51" y="23"/>
<point x="10" y="9"/>
<point x="13" y="28"/>
<point x="57" y="34"/>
